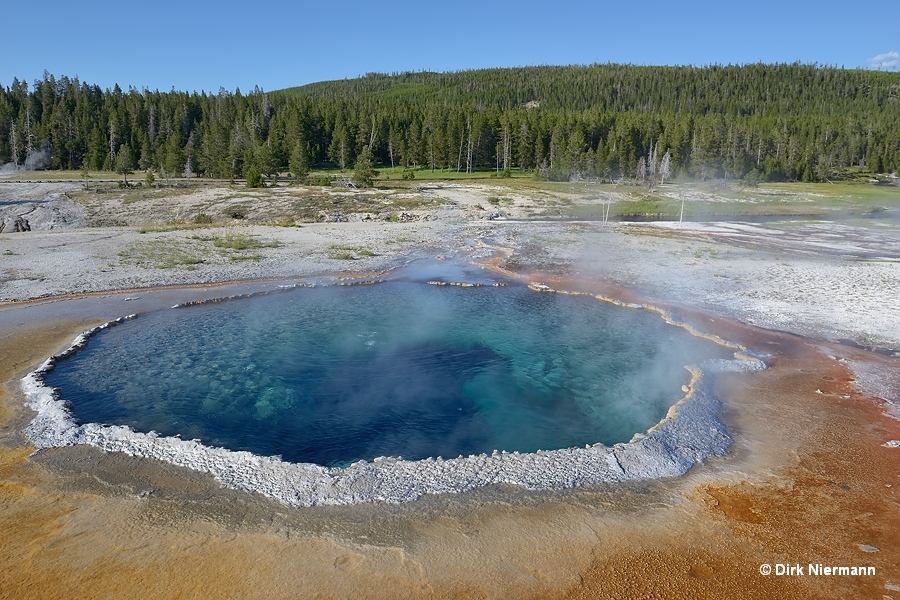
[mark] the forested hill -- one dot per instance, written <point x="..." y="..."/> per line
<point x="757" y="89"/>
<point x="773" y="122"/>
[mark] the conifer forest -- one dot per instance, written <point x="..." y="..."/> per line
<point x="766" y="122"/>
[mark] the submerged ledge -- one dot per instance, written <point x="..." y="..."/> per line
<point x="690" y="433"/>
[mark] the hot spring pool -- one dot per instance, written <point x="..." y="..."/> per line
<point x="331" y="376"/>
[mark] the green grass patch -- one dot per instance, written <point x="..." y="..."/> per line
<point x="710" y="252"/>
<point x="816" y="201"/>
<point x="423" y="174"/>
<point x="62" y="175"/>
<point x="243" y="257"/>
<point x="349" y="252"/>
<point x="420" y="174"/>
<point x="161" y="254"/>
<point x="171" y="227"/>
<point x="232" y="240"/>
<point x="399" y="240"/>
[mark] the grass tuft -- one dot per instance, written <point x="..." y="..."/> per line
<point x="242" y="241"/>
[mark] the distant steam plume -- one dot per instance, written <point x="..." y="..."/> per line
<point x="40" y="159"/>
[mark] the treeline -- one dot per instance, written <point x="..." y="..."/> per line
<point x="771" y="122"/>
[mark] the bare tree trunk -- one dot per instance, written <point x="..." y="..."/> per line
<point x="469" y="145"/>
<point x="14" y="144"/>
<point x="506" y="145"/>
<point x="665" y="166"/>
<point x="29" y="138"/>
<point x="112" y="144"/>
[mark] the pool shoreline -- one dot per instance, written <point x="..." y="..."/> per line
<point x="668" y="449"/>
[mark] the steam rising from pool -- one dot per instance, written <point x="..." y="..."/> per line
<point x="292" y="394"/>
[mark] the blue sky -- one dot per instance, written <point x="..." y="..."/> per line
<point x="191" y="46"/>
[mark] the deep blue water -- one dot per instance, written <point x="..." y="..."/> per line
<point x="334" y="375"/>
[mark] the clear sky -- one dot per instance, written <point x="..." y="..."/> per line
<point x="190" y="45"/>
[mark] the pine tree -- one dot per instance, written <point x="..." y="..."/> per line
<point x="146" y="161"/>
<point x="299" y="164"/>
<point x="124" y="162"/>
<point x="174" y="156"/>
<point x="363" y="173"/>
<point x="253" y="176"/>
<point x="339" y="149"/>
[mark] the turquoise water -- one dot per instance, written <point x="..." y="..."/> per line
<point x="335" y="375"/>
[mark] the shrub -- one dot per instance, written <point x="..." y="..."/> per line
<point x="254" y="177"/>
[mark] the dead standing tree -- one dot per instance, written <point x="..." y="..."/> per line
<point x="29" y="138"/>
<point x="14" y="144"/>
<point x="641" y="173"/>
<point x="469" y="146"/>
